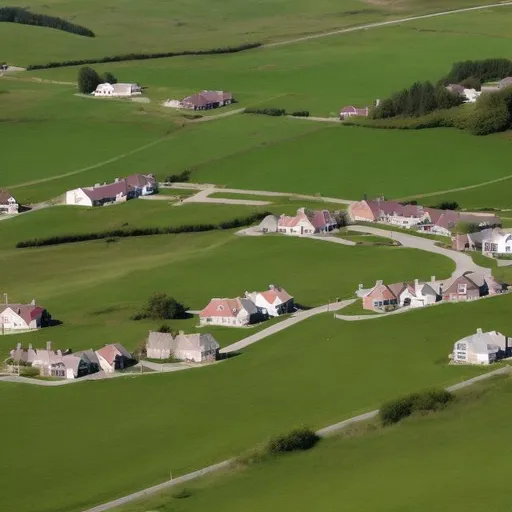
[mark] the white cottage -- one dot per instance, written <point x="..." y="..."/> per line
<point x="21" y="317"/>
<point x="498" y="241"/>
<point x="276" y="300"/>
<point x="117" y="90"/>
<point x="187" y="347"/>
<point x="8" y="203"/>
<point x="480" y="348"/>
<point x="229" y="312"/>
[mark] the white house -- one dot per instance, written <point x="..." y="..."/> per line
<point x="113" y="357"/>
<point x="276" y="300"/>
<point x="498" y="241"/>
<point x="416" y="295"/>
<point x="21" y="317"/>
<point x="480" y="348"/>
<point x="229" y="312"/>
<point x="8" y="203"/>
<point x="117" y="90"/>
<point x="172" y="104"/>
<point x="471" y="95"/>
<point x="306" y="222"/>
<point x="187" y="347"/>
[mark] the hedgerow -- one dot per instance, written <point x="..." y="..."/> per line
<point x="298" y="439"/>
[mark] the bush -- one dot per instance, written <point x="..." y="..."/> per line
<point x="181" y="177"/>
<point x="300" y="113"/>
<point x="430" y="400"/>
<point x="162" y="307"/>
<point x="266" y="111"/>
<point x="29" y="371"/>
<point x="298" y="439"/>
<point x="182" y="494"/>
<point x="144" y="56"/>
<point x="123" y="233"/>
<point x="23" y="17"/>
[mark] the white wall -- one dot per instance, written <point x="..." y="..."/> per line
<point x="78" y="197"/>
<point x="105" y="366"/>
<point x="12" y="321"/>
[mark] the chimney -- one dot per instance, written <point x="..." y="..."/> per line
<point x="49" y="346"/>
<point x="432" y="279"/>
<point x="30" y="346"/>
<point x="33" y="303"/>
<point x="479" y="331"/>
<point x="181" y="333"/>
<point x="416" y="282"/>
<point x="360" y="286"/>
<point x="271" y="286"/>
<point x="18" y="346"/>
<point x="116" y="180"/>
<point x="96" y="185"/>
<point x="378" y="283"/>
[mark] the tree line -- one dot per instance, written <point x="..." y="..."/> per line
<point x="144" y="56"/>
<point x="123" y="233"/>
<point x="473" y="73"/>
<point x="276" y="112"/>
<point x="24" y="17"/>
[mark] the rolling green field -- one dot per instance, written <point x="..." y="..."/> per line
<point x="317" y="373"/>
<point x="402" y="463"/>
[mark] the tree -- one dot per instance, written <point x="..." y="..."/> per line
<point x="491" y="115"/>
<point x="109" y="78"/>
<point x="161" y="306"/>
<point x="88" y="80"/>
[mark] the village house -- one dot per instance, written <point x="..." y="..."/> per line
<point x="56" y="363"/>
<point x="114" y="357"/>
<point x="379" y="297"/>
<point x="351" y="111"/>
<point x="187" y="347"/>
<point x="480" y="348"/>
<point x="117" y="90"/>
<point x="306" y="222"/>
<point x="276" y="300"/>
<point x="119" y="191"/>
<point x="204" y="100"/>
<point x="235" y="312"/>
<point x="8" y="203"/>
<point x="412" y="216"/>
<point x="496" y="242"/>
<point x="22" y="317"/>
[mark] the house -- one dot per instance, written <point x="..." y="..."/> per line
<point x="463" y="288"/>
<point x="187" y="347"/>
<point x="481" y="348"/>
<point x="231" y="312"/>
<point x="350" y="111"/>
<point x="306" y="222"/>
<point x="8" y="203"/>
<point x="206" y="100"/>
<point x="22" y="317"/>
<point x="276" y="300"/>
<point x="117" y="90"/>
<point x="56" y="363"/>
<point x="269" y="224"/>
<point x="496" y="242"/>
<point x="455" y="88"/>
<point x="114" y="357"/>
<point x="379" y="297"/>
<point x="469" y="95"/>
<point x="416" y="294"/>
<point x="119" y="191"/>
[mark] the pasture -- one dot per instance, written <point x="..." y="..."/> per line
<point x="316" y="373"/>
<point x="414" y="465"/>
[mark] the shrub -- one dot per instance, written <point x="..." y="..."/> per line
<point x="266" y="111"/>
<point x="161" y="306"/>
<point x="431" y="400"/>
<point x="23" y="17"/>
<point x="180" y="177"/>
<point x="298" y="439"/>
<point x="164" y="328"/>
<point x="396" y="410"/>
<point x="182" y="494"/>
<point x="29" y="371"/>
<point x="300" y="113"/>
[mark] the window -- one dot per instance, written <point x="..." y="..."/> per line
<point x="460" y="355"/>
<point x="507" y="248"/>
<point x="461" y="346"/>
<point x="462" y="288"/>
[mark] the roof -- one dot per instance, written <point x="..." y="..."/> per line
<point x="5" y="195"/>
<point x="123" y="88"/>
<point x="140" y="180"/>
<point x="505" y="82"/>
<point x="354" y="110"/>
<point x="203" y="342"/>
<point x="318" y="218"/>
<point x="270" y="222"/>
<point x="464" y="279"/>
<point x="110" y="352"/>
<point x="27" y="312"/>
<point x="228" y="307"/>
<point x="203" y="98"/>
<point x="485" y="342"/>
<point x="107" y="190"/>
<point x="160" y="340"/>
<point x="381" y="292"/>
<point x="455" y="88"/>
<point x="275" y="293"/>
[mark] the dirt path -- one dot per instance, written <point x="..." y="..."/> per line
<point x="384" y="24"/>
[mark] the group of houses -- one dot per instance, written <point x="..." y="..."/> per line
<point x="119" y="90"/>
<point x="253" y="307"/>
<point x="71" y="365"/>
<point x="204" y="100"/>
<point x="22" y="317"/>
<point x="8" y="204"/>
<point x="481" y="348"/>
<point x="466" y="287"/>
<point x="305" y="222"/>
<point x="414" y="216"/>
<point x="119" y="191"/>
<point x="493" y="242"/>
<point x="196" y="348"/>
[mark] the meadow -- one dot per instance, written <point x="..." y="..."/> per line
<point x="400" y="464"/>
<point x="316" y="373"/>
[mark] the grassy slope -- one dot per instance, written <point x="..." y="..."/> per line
<point x="317" y="373"/>
<point x="402" y="463"/>
<point x="128" y="26"/>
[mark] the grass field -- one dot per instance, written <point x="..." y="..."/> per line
<point x="157" y="26"/>
<point x="402" y="463"/>
<point x="317" y="373"/>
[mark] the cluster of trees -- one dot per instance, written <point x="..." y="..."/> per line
<point x="397" y="410"/>
<point x="144" y="56"/>
<point x="492" y="113"/>
<point x="122" y="233"/>
<point x="276" y="112"/>
<point x="473" y="73"/>
<point x="22" y="16"/>
<point x="418" y="100"/>
<point x="180" y="177"/>
<point x="88" y="79"/>
<point x="162" y="307"/>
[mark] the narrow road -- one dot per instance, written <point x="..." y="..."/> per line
<point x="203" y="197"/>
<point x="330" y="430"/>
<point x="216" y="116"/>
<point x="384" y="24"/>
<point x="463" y="262"/>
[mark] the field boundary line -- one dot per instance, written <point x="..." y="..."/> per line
<point x="225" y="464"/>
<point x="384" y="24"/>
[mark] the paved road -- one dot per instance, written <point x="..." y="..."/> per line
<point x="226" y="464"/>
<point x="463" y="262"/>
<point x="384" y="24"/>
<point x="203" y="197"/>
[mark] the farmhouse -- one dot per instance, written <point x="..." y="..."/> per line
<point x="204" y="100"/>
<point x="187" y="347"/>
<point x="306" y="222"/>
<point x="120" y="191"/>
<point x="117" y="90"/>
<point x="350" y="111"/>
<point x="276" y="300"/>
<point x="55" y="363"/>
<point x="22" y="317"/>
<point x="480" y="348"/>
<point x="231" y="312"/>
<point x="114" y="357"/>
<point x="8" y="203"/>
